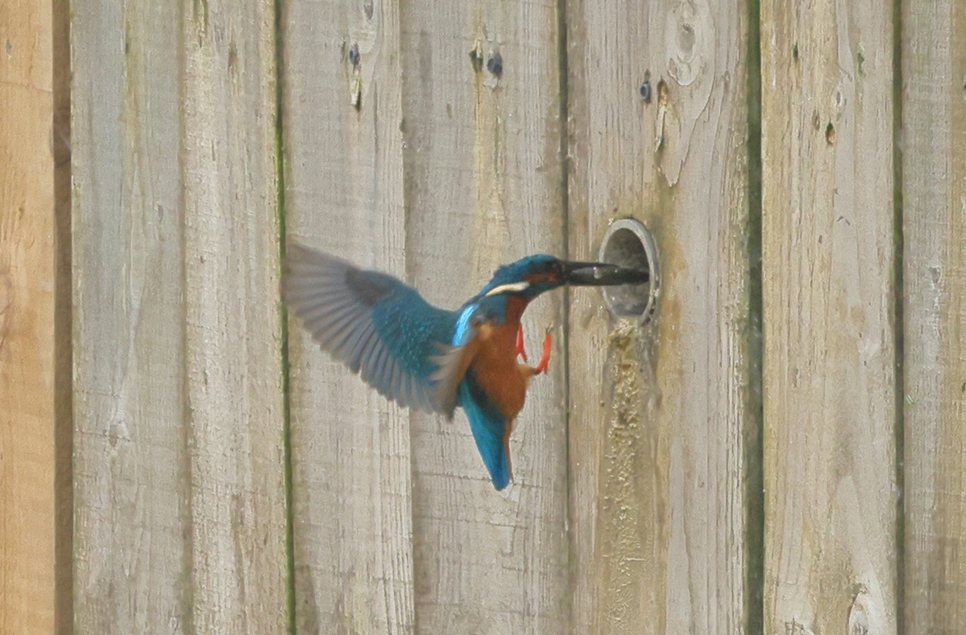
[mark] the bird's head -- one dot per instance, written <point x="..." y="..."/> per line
<point x="529" y="277"/>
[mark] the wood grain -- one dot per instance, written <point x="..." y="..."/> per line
<point x="344" y="194"/>
<point x="233" y="380"/>
<point x="934" y="309"/>
<point x="130" y="457"/>
<point x="180" y="521"/>
<point x="63" y="323"/>
<point x="483" y="186"/>
<point x="28" y="347"/>
<point x="662" y="419"/>
<point x="829" y="313"/>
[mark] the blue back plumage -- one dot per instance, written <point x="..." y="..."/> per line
<point x="410" y="327"/>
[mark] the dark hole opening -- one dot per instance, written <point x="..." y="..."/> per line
<point x="628" y="244"/>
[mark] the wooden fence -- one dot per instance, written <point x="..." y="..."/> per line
<point x="783" y="450"/>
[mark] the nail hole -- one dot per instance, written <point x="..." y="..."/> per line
<point x="830" y="134"/>
<point x="645" y="89"/>
<point x="495" y="64"/>
<point x="354" y="55"/>
<point x="646" y="92"/>
<point x="628" y="243"/>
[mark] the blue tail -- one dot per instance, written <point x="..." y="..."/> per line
<point x="488" y="427"/>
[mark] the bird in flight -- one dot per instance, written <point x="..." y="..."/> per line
<point x="434" y="359"/>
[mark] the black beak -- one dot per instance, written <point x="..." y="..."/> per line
<point x="600" y="274"/>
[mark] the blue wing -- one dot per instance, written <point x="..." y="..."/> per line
<point x="488" y="427"/>
<point x="376" y="325"/>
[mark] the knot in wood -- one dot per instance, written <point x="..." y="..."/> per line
<point x="688" y="38"/>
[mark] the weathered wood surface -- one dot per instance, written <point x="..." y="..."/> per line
<point x="29" y="373"/>
<point x="934" y="310"/>
<point x="344" y="194"/>
<point x="63" y="324"/>
<point x="483" y="186"/>
<point x="828" y="273"/>
<point x="232" y="344"/>
<point x="662" y="420"/>
<point x="180" y="522"/>
<point x="637" y="503"/>
<point x="130" y="455"/>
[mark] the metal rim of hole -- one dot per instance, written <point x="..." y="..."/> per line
<point x="628" y="243"/>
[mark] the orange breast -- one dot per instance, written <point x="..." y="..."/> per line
<point x="496" y="370"/>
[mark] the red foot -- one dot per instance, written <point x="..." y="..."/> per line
<point x="522" y="353"/>
<point x="545" y="359"/>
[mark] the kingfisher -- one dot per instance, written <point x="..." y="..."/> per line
<point x="430" y="358"/>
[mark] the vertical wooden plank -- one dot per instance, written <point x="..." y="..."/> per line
<point x="829" y="284"/>
<point x="934" y="307"/>
<point x="28" y="284"/>
<point x="180" y="520"/>
<point x="344" y="194"/>
<point x="63" y="324"/>
<point x="483" y="187"/>
<point x="233" y="331"/>
<point x="662" y="419"/>
<point x="132" y="562"/>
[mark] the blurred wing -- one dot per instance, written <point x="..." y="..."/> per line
<point x="453" y="360"/>
<point x="378" y="326"/>
<point x="490" y="431"/>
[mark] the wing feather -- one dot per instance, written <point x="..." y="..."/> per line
<point x="407" y="389"/>
<point x="377" y="368"/>
<point x="366" y="356"/>
<point x="342" y="332"/>
<point x="376" y="325"/>
<point x="354" y="351"/>
<point x="395" y="382"/>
